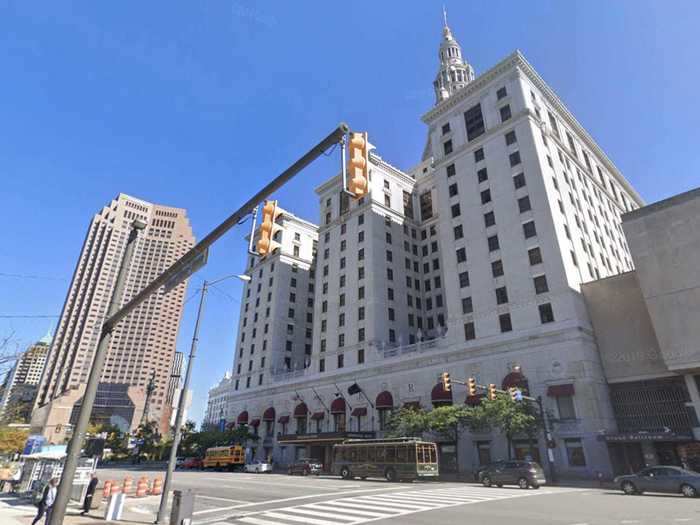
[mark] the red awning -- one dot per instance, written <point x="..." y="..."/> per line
<point x="301" y="410"/>
<point x="255" y="423"/>
<point x="318" y="415"/>
<point x="269" y="414"/>
<point x="560" y="390"/>
<point x="413" y="405"/>
<point x="359" y="411"/>
<point x="243" y="418"/>
<point x="440" y="396"/>
<point x="384" y="400"/>
<point x="474" y="401"/>
<point x="338" y="406"/>
<point x="283" y="419"/>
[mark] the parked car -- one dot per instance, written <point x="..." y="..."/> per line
<point x="258" y="467"/>
<point x="179" y="462"/>
<point x="193" y="464"/>
<point x="524" y="474"/>
<point x="305" y="466"/>
<point x="662" y="478"/>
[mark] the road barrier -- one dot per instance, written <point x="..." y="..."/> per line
<point x="114" y="488"/>
<point x="142" y="487"/>
<point x="157" y="488"/>
<point x="126" y="486"/>
<point x="106" y="490"/>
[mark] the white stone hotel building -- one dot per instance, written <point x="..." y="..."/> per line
<point x="471" y="263"/>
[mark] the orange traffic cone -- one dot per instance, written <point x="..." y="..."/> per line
<point x="157" y="488"/>
<point x="106" y="490"/>
<point x="114" y="488"/>
<point x="142" y="487"/>
<point x="126" y="486"/>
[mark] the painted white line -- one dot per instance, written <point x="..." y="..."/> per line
<point x="257" y="521"/>
<point x="284" y="500"/>
<point x="630" y="521"/>
<point x="222" y="499"/>
<point x="396" y="507"/>
<point x="683" y="519"/>
<point x="363" y="506"/>
<point x="299" y="519"/>
<point x="333" y="507"/>
<point x="403" y="503"/>
<point x="313" y="512"/>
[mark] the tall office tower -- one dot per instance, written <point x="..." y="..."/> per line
<point x="469" y="263"/>
<point x="19" y="389"/>
<point x="142" y="343"/>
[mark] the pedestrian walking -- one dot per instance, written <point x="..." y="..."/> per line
<point x="46" y="502"/>
<point x="87" y="502"/>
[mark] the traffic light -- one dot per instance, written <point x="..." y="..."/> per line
<point x="446" y="381"/>
<point x="515" y="394"/>
<point x="358" y="177"/>
<point x="492" y="392"/>
<point x="268" y="228"/>
<point x="471" y="386"/>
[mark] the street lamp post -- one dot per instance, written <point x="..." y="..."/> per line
<point x="162" y="509"/>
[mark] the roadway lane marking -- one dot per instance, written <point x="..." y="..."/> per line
<point x="348" y="510"/>
<point x="222" y="499"/>
<point x="284" y="500"/>
<point x="257" y="521"/>
<point x="305" y="510"/>
<point x="299" y="519"/>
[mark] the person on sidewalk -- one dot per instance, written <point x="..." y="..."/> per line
<point x="47" y="500"/>
<point x="87" y="502"/>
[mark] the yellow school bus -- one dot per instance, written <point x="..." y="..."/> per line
<point x="224" y="457"/>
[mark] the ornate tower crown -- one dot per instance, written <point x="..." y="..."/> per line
<point x="454" y="72"/>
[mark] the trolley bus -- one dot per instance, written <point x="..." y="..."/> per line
<point x="394" y="459"/>
<point x="230" y="457"/>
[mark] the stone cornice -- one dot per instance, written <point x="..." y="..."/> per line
<point x="516" y="60"/>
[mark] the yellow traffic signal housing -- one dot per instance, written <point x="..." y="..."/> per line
<point x="358" y="165"/>
<point x="471" y="385"/>
<point x="446" y="381"/>
<point x="492" y="392"/>
<point x="268" y="227"/>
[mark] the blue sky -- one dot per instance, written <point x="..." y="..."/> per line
<point x="197" y="104"/>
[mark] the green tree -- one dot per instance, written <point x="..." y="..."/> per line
<point x="409" y="422"/>
<point x="511" y="418"/>
<point x="148" y="434"/>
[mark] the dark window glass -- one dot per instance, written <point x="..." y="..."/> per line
<point x="474" y="121"/>
<point x="461" y="255"/>
<point x="446" y="128"/>
<point x="504" y="321"/>
<point x="505" y="113"/>
<point x="501" y="295"/>
<point x="463" y="279"/>
<point x="455" y="210"/>
<point x="511" y="138"/>
<point x="535" y="255"/>
<point x="467" y="306"/>
<point x="489" y="219"/>
<point x="458" y="231"/>
<point x="451" y="170"/>
<point x="546" y="313"/>
<point x="529" y="229"/>
<point x="497" y="268"/>
<point x="540" y="283"/>
<point x="493" y="243"/>
<point x="482" y="175"/>
<point x="519" y="180"/>
<point x="501" y="93"/>
<point x="453" y="190"/>
<point x="485" y="196"/>
<point x="479" y="155"/>
<point x="447" y="147"/>
<point x="524" y="204"/>
<point x="469" y="332"/>
<point x="514" y="158"/>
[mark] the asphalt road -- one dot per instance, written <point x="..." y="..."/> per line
<point x="276" y="499"/>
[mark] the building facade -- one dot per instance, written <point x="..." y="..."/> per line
<point x="19" y="389"/>
<point x="471" y="263"/>
<point x="141" y="344"/>
<point x="646" y="328"/>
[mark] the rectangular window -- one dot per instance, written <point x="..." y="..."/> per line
<point x="458" y="232"/>
<point x="505" y="113"/>
<point x="497" y="268"/>
<point x="482" y="175"/>
<point x="524" y="204"/>
<point x="511" y="138"/>
<point x="426" y="205"/>
<point x="572" y="146"/>
<point x="361" y="313"/>
<point x="479" y="155"/>
<point x="540" y="283"/>
<point x="469" y="332"/>
<point x="489" y="219"/>
<point x="455" y="210"/>
<point x="361" y="334"/>
<point x="501" y="295"/>
<point x="529" y="229"/>
<point x="501" y="93"/>
<point x="485" y="196"/>
<point x="321" y="365"/>
<point x="447" y="147"/>
<point x="446" y="128"/>
<point x="461" y="256"/>
<point x="474" y="121"/>
<point x="407" y="205"/>
<point x="574" y="452"/>
<point x="519" y="180"/>
<point x="535" y="255"/>
<point x="341" y="340"/>
<point x="505" y="323"/>
<point x="546" y="313"/>
<point x="514" y="158"/>
<point x="467" y="306"/>
<point x="463" y="279"/>
<point x="452" y="189"/>
<point x="360" y="356"/>
<point x="451" y="170"/>
<point x="565" y="407"/>
<point x="493" y="243"/>
<point x="553" y="124"/>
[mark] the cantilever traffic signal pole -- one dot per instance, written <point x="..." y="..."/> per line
<point x="177" y="271"/>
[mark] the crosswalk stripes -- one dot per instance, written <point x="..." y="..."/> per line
<point x="361" y="509"/>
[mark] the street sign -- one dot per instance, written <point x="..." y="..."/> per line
<point x="188" y="268"/>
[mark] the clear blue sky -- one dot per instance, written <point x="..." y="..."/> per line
<point x="197" y="104"/>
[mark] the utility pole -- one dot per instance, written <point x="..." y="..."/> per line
<point x="76" y="441"/>
<point x="178" y="272"/>
<point x="547" y="440"/>
<point x="181" y="410"/>
<point x="150" y="388"/>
